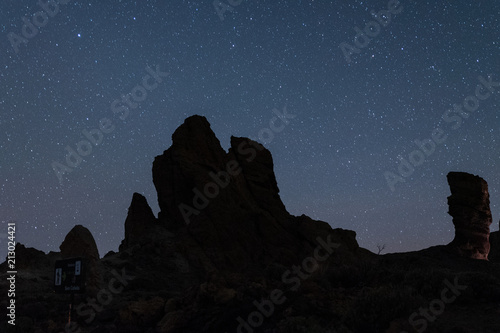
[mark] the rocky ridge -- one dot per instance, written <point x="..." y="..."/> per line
<point x="224" y="252"/>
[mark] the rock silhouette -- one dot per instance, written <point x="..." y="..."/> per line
<point x="225" y="255"/>
<point x="79" y="242"/>
<point x="228" y="203"/>
<point x="469" y="205"/>
<point x="495" y="246"/>
<point x="140" y="220"/>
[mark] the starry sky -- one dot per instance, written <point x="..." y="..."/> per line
<point x="356" y="105"/>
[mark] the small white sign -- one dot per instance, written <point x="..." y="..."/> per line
<point x="78" y="265"/>
<point x="58" y="276"/>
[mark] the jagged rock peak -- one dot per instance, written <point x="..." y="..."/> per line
<point x="228" y="203"/>
<point x="139" y="204"/>
<point x="195" y="140"/>
<point x="469" y="205"/>
<point x="196" y="172"/>
<point x="193" y="130"/>
<point x="140" y="219"/>
<point x="195" y="150"/>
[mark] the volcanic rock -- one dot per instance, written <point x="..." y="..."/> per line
<point x="469" y="205"/>
<point x="142" y="312"/>
<point x="140" y="220"/>
<point x="228" y="204"/>
<point x="257" y="168"/>
<point x="495" y="246"/>
<point x="79" y="242"/>
<point x="224" y="245"/>
<point x="28" y="257"/>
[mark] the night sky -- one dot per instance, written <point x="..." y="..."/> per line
<point x="353" y="107"/>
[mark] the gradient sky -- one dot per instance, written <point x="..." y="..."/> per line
<point x="352" y="119"/>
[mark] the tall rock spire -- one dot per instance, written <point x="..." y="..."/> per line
<point x="469" y="205"/>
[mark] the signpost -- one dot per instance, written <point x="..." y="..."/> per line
<point x="69" y="278"/>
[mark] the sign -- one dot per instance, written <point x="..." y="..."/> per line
<point x="69" y="276"/>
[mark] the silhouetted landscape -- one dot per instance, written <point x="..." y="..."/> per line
<point x="224" y="255"/>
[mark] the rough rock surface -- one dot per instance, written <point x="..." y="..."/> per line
<point x="140" y="220"/>
<point x="235" y="254"/>
<point x="79" y="242"/>
<point x="495" y="246"/>
<point x="228" y="204"/>
<point x="28" y="257"/>
<point x="469" y="205"/>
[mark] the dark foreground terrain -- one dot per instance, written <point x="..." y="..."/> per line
<point x="224" y="255"/>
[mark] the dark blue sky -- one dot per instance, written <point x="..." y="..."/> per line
<point x="352" y="119"/>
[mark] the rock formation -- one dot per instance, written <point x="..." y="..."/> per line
<point x="495" y="246"/>
<point x="224" y="255"/>
<point x="28" y="257"/>
<point x="228" y="203"/>
<point x="140" y="220"/>
<point x="79" y="242"/>
<point x="469" y="205"/>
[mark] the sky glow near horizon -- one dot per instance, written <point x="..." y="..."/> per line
<point x="354" y="114"/>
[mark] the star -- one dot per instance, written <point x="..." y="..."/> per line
<point x="353" y="120"/>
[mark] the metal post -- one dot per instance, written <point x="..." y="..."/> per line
<point x="70" y="308"/>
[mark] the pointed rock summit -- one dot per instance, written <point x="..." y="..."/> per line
<point x="140" y="220"/>
<point x="228" y="203"/>
<point x="469" y="205"/>
<point x="194" y="152"/>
